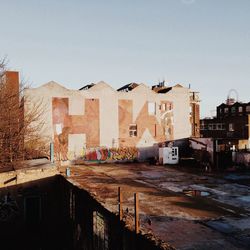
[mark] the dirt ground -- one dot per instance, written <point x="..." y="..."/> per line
<point x="186" y="210"/>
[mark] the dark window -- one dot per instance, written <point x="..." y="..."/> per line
<point x="231" y="127"/>
<point x="132" y="130"/>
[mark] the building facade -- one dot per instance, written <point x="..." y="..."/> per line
<point x="100" y="123"/>
<point x="231" y="124"/>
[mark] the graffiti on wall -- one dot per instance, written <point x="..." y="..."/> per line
<point x="167" y="120"/>
<point x="110" y="154"/>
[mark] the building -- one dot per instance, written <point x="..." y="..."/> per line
<point x="230" y="126"/>
<point x="98" y="122"/>
<point x="194" y="105"/>
<point x="11" y="119"/>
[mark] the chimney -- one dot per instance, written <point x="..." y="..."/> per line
<point x="12" y="82"/>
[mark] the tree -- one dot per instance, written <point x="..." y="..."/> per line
<point x="20" y="122"/>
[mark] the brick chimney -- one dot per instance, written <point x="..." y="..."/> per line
<point x="12" y="82"/>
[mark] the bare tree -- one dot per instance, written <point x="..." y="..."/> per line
<point x="19" y="127"/>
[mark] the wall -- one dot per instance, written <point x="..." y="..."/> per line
<point x="51" y="213"/>
<point x="16" y="177"/>
<point x="100" y="117"/>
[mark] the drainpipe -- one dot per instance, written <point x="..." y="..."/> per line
<point x="52" y="152"/>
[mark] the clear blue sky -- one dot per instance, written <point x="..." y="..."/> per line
<point x="205" y="43"/>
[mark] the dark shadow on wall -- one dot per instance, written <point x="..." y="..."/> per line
<point x="51" y="213"/>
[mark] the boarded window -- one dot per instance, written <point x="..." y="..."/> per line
<point x="163" y="106"/>
<point x="132" y="130"/>
<point x="151" y="108"/>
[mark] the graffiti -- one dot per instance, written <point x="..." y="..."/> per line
<point x="110" y="154"/>
<point x="167" y="119"/>
<point x="8" y="208"/>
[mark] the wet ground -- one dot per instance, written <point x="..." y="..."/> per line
<point x="186" y="210"/>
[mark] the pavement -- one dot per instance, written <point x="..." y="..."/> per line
<point x="186" y="210"/>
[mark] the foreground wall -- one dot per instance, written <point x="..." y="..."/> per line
<point x="51" y="213"/>
<point x="103" y="124"/>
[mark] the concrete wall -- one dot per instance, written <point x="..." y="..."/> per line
<point x="12" y="178"/>
<point x="99" y="117"/>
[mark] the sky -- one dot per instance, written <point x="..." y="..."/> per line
<point x="204" y="43"/>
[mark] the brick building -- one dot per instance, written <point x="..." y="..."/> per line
<point x="231" y="124"/>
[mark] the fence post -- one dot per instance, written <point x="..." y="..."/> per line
<point x="136" y="204"/>
<point x="52" y="152"/>
<point x="120" y="203"/>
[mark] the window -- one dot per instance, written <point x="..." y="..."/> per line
<point x="210" y="126"/>
<point x="248" y="108"/>
<point x="226" y="110"/>
<point x="231" y="127"/>
<point x="169" y="106"/>
<point x="240" y="109"/>
<point x="132" y="130"/>
<point x="163" y="106"/>
<point x="214" y="126"/>
<point x="220" y="126"/>
<point x="151" y="108"/>
<point x="233" y="109"/>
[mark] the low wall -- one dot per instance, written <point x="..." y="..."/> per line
<point x="20" y="176"/>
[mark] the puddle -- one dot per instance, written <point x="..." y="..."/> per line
<point x="222" y="227"/>
<point x="193" y="192"/>
<point x="245" y="198"/>
<point x="236" y="177"/>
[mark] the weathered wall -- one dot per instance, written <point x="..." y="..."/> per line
<point x="52" y="213"/>
<point x="99" y="117"/>
<point x="16" y="177"/>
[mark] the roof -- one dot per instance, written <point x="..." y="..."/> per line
<point x="128" y="87"/>
<point x="88" y="86"/>
<point x="164" y="210"/>
<point x="163" y="90"/>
